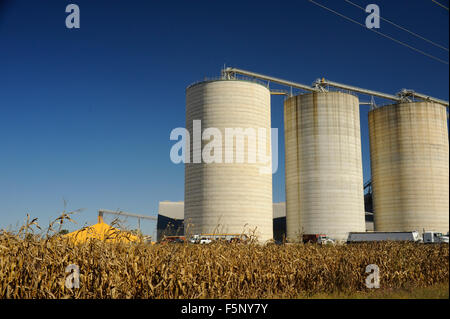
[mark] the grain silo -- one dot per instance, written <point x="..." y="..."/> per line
<point x="409" y="153"/>
<point x="324" y="183"/>
<point x="229" y="197"/>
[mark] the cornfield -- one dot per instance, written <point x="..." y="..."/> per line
<point x="35" y="267"/>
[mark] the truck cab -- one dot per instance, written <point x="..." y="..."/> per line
<point x="198" y="239"/>
<point x="434" y="237"/>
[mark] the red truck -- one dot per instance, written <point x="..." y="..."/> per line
<point x="173" y="239"/>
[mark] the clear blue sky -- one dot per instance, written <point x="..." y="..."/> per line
<point x="86" y="113"/>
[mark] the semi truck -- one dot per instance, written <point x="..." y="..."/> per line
<point x="359" y="237"/>
<point x="430" y="237"/>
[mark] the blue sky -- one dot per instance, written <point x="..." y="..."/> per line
<point x="86" y="113"/>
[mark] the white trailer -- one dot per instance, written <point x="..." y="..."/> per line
<point x="359" y="237"/>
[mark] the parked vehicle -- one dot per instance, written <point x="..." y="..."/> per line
<point x="317" y="239"/>
<point x="173" y="240"/>
<point x="205" y="240"/>
<point x="434" y="237"/>
<point x="358" y="237"/>
<point x="208" y="238"/>
<point x="199" y="239"/>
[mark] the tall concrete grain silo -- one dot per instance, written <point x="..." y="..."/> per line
<point x="229" y="197"/>
<point x="409" y="152"/>
<point x="324" y="182"/>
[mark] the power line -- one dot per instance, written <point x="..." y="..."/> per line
<point x="440" y="5"/>
<point x="400" y="27"/>
<point x="382" y="34"/>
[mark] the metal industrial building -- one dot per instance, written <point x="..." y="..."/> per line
<point x="170" y="220"/>
<point x="279" y="221"/>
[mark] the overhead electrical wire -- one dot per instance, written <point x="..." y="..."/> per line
<point x="378" y="32"/>
<point x="440" y="5"/>
<point x="402" y="28"/>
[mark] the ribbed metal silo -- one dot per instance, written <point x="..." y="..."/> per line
<point x="409" y="152"/>
<point x="324" y="182"/>
<point x="229" y="197"/>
